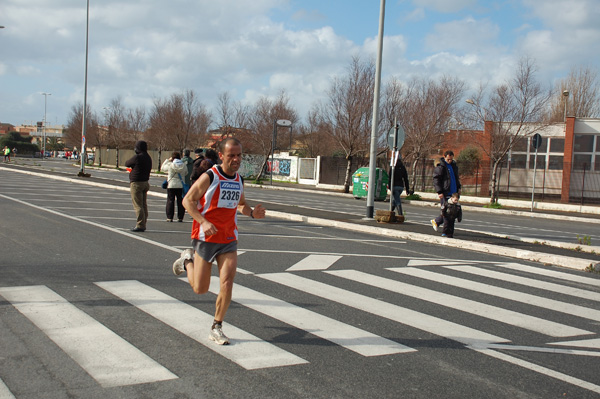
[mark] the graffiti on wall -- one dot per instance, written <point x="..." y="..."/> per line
<point x="280" y="167"/>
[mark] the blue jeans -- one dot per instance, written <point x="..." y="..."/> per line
<point x="396" y="201"/>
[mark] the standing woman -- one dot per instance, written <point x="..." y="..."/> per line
<point x="176" y="170"/>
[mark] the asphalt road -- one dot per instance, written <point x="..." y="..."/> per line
<point x="532" y="226"/>
<point x="91" y="310"/>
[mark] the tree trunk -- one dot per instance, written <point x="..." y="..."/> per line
<point x="348" y="177"/>
<point x="100" y="155"/>
<point x="117" y="161"/>
<point x="414" y="174"/>
<point x="494" y="183"/>
<point x="262" y="169"/>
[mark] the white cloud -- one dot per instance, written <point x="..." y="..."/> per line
<point x="445" y="6"/>
<point x="466" y="35"/>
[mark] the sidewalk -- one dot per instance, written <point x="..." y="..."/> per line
<point x="557" y="254"/>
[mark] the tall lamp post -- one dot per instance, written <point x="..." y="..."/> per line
<point x="44" y="125"/>
<point x="566" y="95"/>
<point x="84" y="122"/>
<point x="375" y="122"/>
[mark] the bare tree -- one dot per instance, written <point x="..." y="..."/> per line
<point x="93" y="136"/>
<point x="262" y="122"/>
<point x="423" y="108"/>
<point x="348" y="111"/>
<point x="513" y="110"/>
<point x="583" y="99"/>
<point x="232" y="113"/>
<point x="314" y="137"/>
<point x="137" y="123"/>
<point x="117" y="127"/>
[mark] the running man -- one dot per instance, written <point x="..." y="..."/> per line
<point x="213" y="202"/>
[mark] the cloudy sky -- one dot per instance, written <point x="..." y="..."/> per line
<point x="144" y="49"/>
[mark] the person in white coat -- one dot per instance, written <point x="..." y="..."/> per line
<point x="176" y="170"/>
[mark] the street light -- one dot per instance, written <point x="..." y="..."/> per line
<point x="83" y="123"/>
<point x="44" y="126"/>
<point x="282" y="123"/>
<point x="566" y="95"/>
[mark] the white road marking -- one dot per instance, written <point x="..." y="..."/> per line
<point x="421" y="321"/>
<point x="529" y="282"/>
<point x="315" y="262"/>
<point x="585" y="343"/>
<point x="538" y="369"/>
<point x="352" y="338"/>
<point x="464" y="305"/>
<point x="517" y="296"/>
<point x="5" y="393"/>
<point x="104" y="355"/>
<point x="547" y="272"/>
<point x="250" y="352"/>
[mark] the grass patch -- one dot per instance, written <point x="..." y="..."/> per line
<point x="584" y="240"/>
<point x="413" y="197"/>
<point x="493" y="205"/>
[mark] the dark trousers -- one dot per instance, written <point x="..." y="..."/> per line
<point x="172" y="194"/>
<point x="448" y="228"/>
<point x="440" y="220"/>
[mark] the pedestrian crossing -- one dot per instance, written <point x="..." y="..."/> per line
<point x="113" y="361"/>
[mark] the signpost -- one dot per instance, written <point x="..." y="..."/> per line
<point x="396" y="136"/>
<point x="536" y="142"/>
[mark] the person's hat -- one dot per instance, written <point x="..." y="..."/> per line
<point x="198" y="151"/>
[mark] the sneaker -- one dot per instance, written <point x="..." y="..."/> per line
<point x="169" y="220"/>
<point x="216" y="334"/>
<point x="179" y="264"/>
<point x="444" y="235"/>
<point x="434" y="224"/>
<point x="180" y="220"/>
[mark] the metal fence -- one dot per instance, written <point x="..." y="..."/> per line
<point x="583" y="183"/>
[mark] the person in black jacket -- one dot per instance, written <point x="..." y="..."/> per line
<point x="451" y="212"/>
<point x="205" y="164"/>
<point x="445" y="182"/>
<point x="398" y="183"/>
<point x="141" y="165"/>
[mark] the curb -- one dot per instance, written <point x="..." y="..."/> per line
<point x="546" y="259"/>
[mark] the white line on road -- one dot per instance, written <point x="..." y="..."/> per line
<point x="390" y="311"/>
<point x="250" y="352"/>
<point x="315" y="262"/>
<point x="529" y="282"/>
<point x="352" y="338"/>
<point x="107" y="357"/>
<point x="539" y="369"/>
<point x="506" y="316"/>
<point x="5" y="393"/>
<point x="488" y="289"/>
<point x="547" y="272"/>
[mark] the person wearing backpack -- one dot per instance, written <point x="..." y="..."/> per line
<point x="176" y="170"/>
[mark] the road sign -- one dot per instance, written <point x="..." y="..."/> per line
<point x="536" y="141"/>
<point x="399" y="136"/>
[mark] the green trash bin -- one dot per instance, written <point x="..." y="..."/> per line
<point x="360" y="181"/>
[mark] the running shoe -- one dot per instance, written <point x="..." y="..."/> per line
<point x="179" y="264"/>
<point x="216" y="334"/>
<point x="434" y="224"/>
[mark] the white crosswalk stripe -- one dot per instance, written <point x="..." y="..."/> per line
<point x="112" y="361"/>
<point x="250" y="352"/>
<point x="390" y="311"/>
<point x="352" y="338"/>
<point x="104" y="355"/>
<point x="466" y="305"/>
<point x="529" y="282"/>
<point x="517" y="296"/>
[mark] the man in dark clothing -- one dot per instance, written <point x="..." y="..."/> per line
<point x="399" y="182"/>
<point x="141" y="165"/>
<point x="200" y="167"/>
<point x="445" y="182"/>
